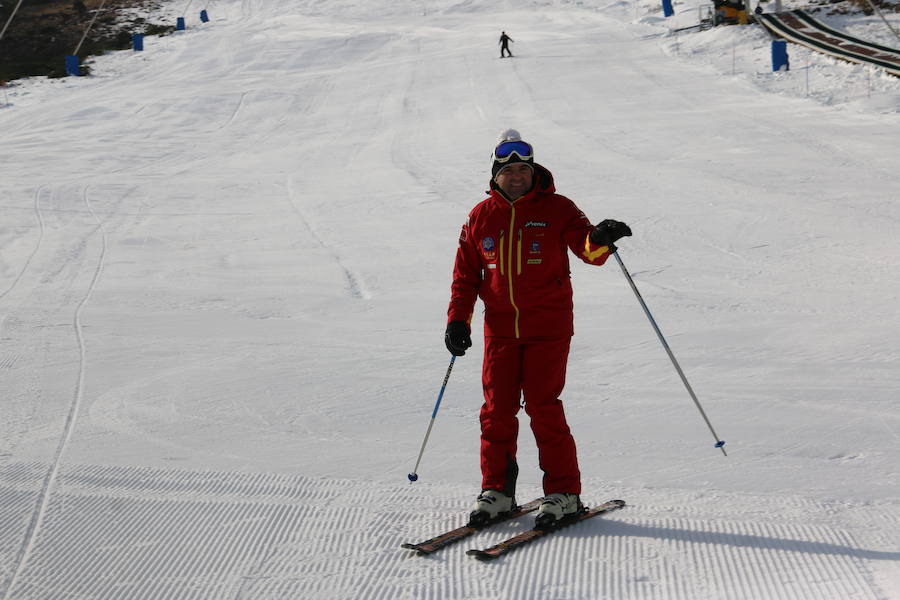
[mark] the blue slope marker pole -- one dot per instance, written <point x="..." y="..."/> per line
<point x="668" y="11"/>
<point x="72" y="66"/>
<point x="414" y="475"/>
<point x="720" y="443"/>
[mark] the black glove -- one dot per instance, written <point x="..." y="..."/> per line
<point x="608" y="231"/>
<point x="457" y="338"/>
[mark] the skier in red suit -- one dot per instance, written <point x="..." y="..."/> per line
<point x="513" y="254"/>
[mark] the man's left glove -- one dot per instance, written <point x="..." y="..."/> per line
<point x="457" y="337"/>
<point x="608" y="231"/>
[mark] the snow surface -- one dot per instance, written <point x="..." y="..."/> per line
<point x="224" y="270"/>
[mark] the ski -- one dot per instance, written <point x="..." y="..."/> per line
<point x="532" y="534"/>
<point x="460" y="533"/>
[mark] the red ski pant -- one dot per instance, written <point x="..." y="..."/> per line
<point x="536" y="370"/>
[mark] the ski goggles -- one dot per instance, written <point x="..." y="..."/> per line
<point x="504" y="151"/>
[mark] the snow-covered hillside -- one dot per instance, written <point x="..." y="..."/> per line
<point x="224" y="273"/>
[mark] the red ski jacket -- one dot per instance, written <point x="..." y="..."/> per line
<point x="513" y="255"/>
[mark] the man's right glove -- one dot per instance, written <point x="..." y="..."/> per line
<point x="457" y="337"/>
<point x="608" y="231"/>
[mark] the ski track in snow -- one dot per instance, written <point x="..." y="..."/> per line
<point x="355" y="283"/>
<point x="37" y="245"/>
<point x="113" y="532"/>
<point x="36" y="523"/>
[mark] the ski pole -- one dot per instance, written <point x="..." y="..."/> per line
<point x="414" y="476"/>
<point x="719" y="442"/>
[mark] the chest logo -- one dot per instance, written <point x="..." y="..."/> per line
<point x="536" y="224"/>
<point x="487" y="247"/>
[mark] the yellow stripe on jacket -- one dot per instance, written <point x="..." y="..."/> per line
<point x="593" y="255"/>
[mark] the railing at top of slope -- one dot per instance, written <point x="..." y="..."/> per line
<point x="800" y="28"/>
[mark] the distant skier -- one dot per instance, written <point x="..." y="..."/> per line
<point x="513" y="254"/>
<point x="504" y="44"/>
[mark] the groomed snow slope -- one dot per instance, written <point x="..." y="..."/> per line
<point x="224" y="268"/>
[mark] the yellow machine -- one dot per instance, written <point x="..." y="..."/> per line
<point x="730" y="12"/>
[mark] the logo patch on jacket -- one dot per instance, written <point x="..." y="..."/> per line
<point x="487" y="247"/>
<point x="535" y="248"/>
<point x="536" y="224"/>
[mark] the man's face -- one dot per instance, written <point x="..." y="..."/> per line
<point x="515" y="180"/>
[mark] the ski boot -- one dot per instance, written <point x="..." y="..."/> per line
<point x="556" y="507"/>
<point x="488" y="506"/>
